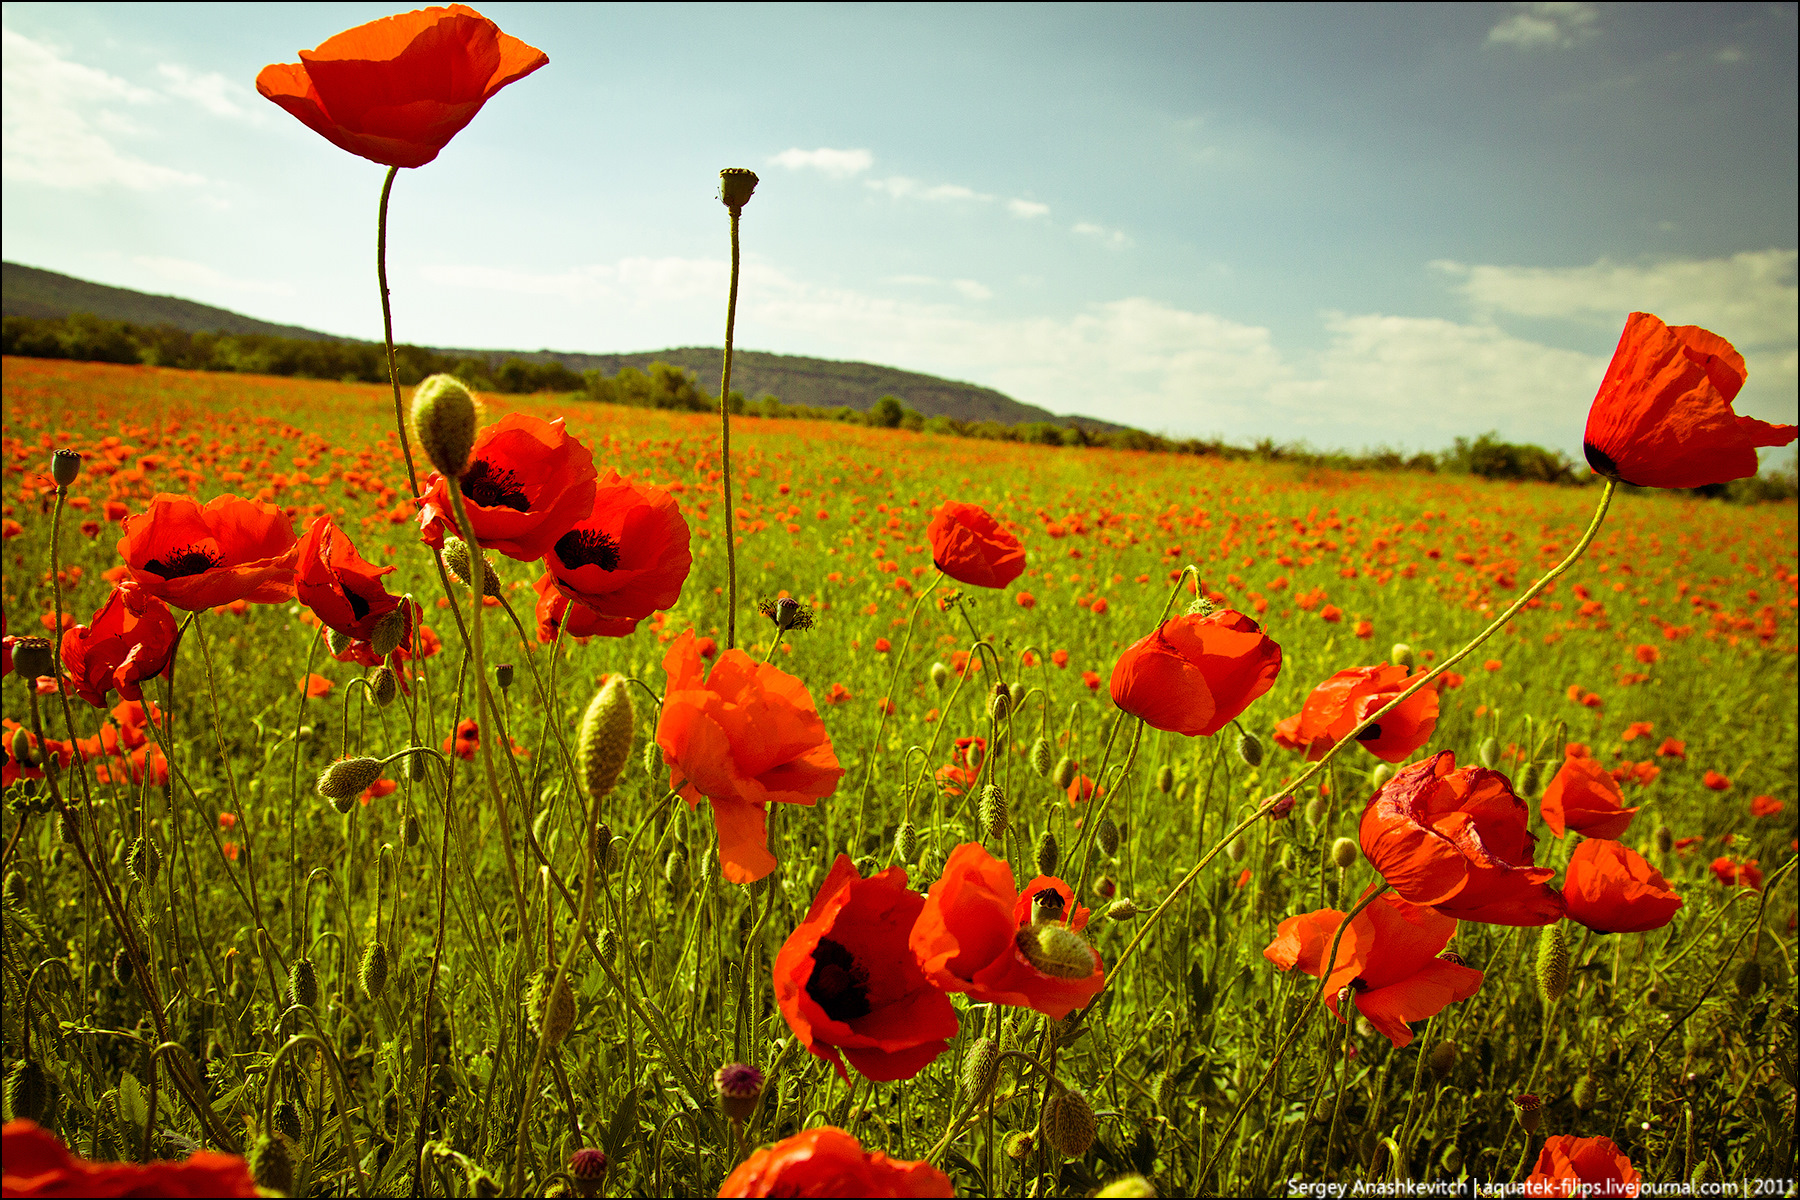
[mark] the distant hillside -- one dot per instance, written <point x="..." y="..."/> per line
<point x="817" y="382"/>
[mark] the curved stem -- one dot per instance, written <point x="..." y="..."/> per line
<point x="387" y="327"/>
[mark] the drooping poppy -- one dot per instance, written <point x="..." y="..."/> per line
<point x="528" y="483"/>
<point x="395" y="91"/>
<point x="1342" y="702"/>
<point x="827" y="1162"/>
<point x="1456" y="840"/>
<point x="628" y="557"/>
<point x="1585" y="798"/>
<point x="1712" y="781"/>
<point x="36" y="1163"/>
<point x="132" y="638"/>
<point x="1609" y="888"/>
<point x="577" y="620"/>
<point x="1388" y="957"/>
<point x="343" y="591"/>
<point x="969" y="546"/>
<point x="196" y="556"/>
<point x="745" y="737"/>
<point x="1590" y="1166"/>
<point x="847" y="986"/>
<point x="978" y="933"/>
<point x="1195" y="674"/>
<point x="1663" y="416"/>
<point x="32" y="765"/>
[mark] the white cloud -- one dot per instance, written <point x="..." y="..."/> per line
<point x="900" y="187"/>
<point x="1027" y="209"/>
<point x="1111" y="237"/>
<point x="1728" y="54"/>
<point x="838" y="164"/>
<point x="1547" y="26"/>
<point x="57" y="118"/>
<point x="212" y="91"/>
<point x="971" y="290"/>
<point x="183" y="273"/>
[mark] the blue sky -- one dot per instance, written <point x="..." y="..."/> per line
<point x="1353" y="226"/>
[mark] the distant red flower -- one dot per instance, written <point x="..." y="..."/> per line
<point x="1715" y="781"/>
<point x="318" y="687"/>
<point x="1765" y="806"/>
<point x="33" y="766"/>
<point x="976" y="934"/>
<point x="1611" y="889"/>
<point x="1456" y="840"/>
<point x="1636" y="730"/>
<point x="882" y="645"/>
<point x="1672" y="749"/>
<point x="1735" y="874"/>
<point x="36" y="1163"/>
<point x="132" y="638"/>
<point x="342" y="590"/>
<point x="965" y="768"/>
<point x="628" y="557"/>
<point x="1091" y="679"/>
<point x="195" y="557"/>
<point x="1388" y="957"/>
<point x="970" y="547"/>
<point x="1663" y="416"/>
<point x="1333" y="614"/>
<point x="1585" y="798"/>
<point x="1059" y="658"/>
<point x="396" y="90"/>
<point x="1492" y="664"/>
<point x="1026" y="600"/>
<point x="829" y="1162"/>
<point x="847" y="985"/>
<point x="527" y="484"/>
<point x="1081" y="789"/>
<point x="1572" y="1166"/>
<point x="1195" y="674"/>
<point x="1646" y="653"/>
<point x="466" y="741"/>
<point x="1342" y="702"/>
<point x="1365" y="629"/>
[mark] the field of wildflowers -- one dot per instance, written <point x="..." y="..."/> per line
<point x="524" y="796"/>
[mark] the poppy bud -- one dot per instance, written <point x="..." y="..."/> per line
<point x="503" y="675"/>
<point x="410" y="831"/>
<point x="121" y="967"/>
<point x="1442" y="1059"/>
<point x="303" y="984"/>
<point x="1068" y="1123"/>
<point x="1041" y="760"/>
<point x="606" y="848"/>
<point x="1401" y="655"/>
<point x="604" y="743"/>
<point x="144" y="862"/>
<point x="32" y="657"/>
<point x="1343" y="853"/>
<point x="1552" y="963"/>
<point x="336" y="642"/>
<point x="462" y="565"/>
<point x="374" y="971"/>
<point x="1280" y="810"/>
<point x="1749" y="979"/>
<point x="1380" y="775"/>
<point x="940" y="675"/>
<point x="22" y="750"/>
<point x="1107" y="834"/>
<point x="930" y="867"/>
<point x="14" y="888"/>
<point x="1104" y="887"/>
<point x="1664" y="839"/>
<point x="443" y="419"/>
<point x="1122" y="910"/>
<point x="1530" y="1111"/>
<point x="1489" y="752"/>
<point x="735" y="186"/>
<point x="385" y="685"/>
<point x="348" y="778"/>
<point x="740" y="1086"/>
<point x="1250" y="749"/>
<point x="652" y="758"/>
<point x="389" y="632"/>
<point x="415" y="767"/>
<point x="906" y="841"/>
<point x="303" y="734"/>
<point x="29" y="1091"/>
<point x="66" y="827"/>
<point x="1131" y="1187"/>
<point x="1048" y="853"/>
<point x="981" y="1070"/>
<point x="1065" y="772"/>
<point x="1019" y="1145"/>
<point x="287" y="1121"/>
<point x="1055" y="949"/>
<point x="271" y="1165"/>
<point x="1165" y="779"/>
<point x="1702" y="1175"/>
<point x="1530" y="776"/>
<point x="607" y="943"/>
<point x="995" y="812"/>
<point x="1451" y="1160"/>
<point x="1236" y="850"/>
<point x="1583" y="1095"/>
<point x="65" y="467"/>
<point x="551" y="1012"/>
<point x="999" y="702"/>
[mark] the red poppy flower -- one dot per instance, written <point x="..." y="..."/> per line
<point x="132" y="638"/>
<point x="1195" y="674"/>
<point x="1672" y="749"/>
<point x="1733" y="874"/>
<point x="846" y="983"/>
<point x="578" y="620"/>
<point x="1663" y="416"/>
<point x="395" y="91"/>
<point x="144" y="763"/>
<point x="1388" y="957"/>
<point x="196" y="557"/>
<point x="36" y="1163"/>
<point x="1766" y="806"/>
<point x="1611" y="889"/>
<point x="970" y="547"/>
<point x="977" y="934"/>
<point x="1572" y="1166"/>
<point x="1081" y="789"/>
<point x="745" y="737"/>
<point x="1714" y="781"/>
<point x="1456" y="840"/>
<point x="829" y="1162"/>
<point x="628" y="557"/>
<point x="342" y="590"/>
<point x="527" y="484"/>
<point x="1584" y="797"/>
<point x="466" y="741"/>
<point x="33" y="767"/>
<point x="1342" y="702"/>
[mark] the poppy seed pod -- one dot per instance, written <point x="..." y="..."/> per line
<point x="1068" y="1123"/>
<point x="348" y="778"/>
<point x="906" y="841"/>
<point x="1344" y="853"/>
<point x="389" y="632"/>
<point x="940" y="675"/>
<point x="271" y="1165"/>
<point x="1041" y="758"/>
<point x="1107" y="834"/>
<point x="1065" y="772"/>
<point x="1401" y="655"/>
<point x="552" y="1014"/>
<point x="1000" y="702"/>
<point x="1165" y="779"/>
<point x="410" y="831"/>
<point x="443" y="419"/>
<point x="735" y="187"/>
<point x="503" y="675"/>
<point x="32" y="657"/>
<point x="384" y="685"/>
<point x="1552" y="963"/>
<point x="144" y="862"/>
<point x="374" y="971"/>
<point x="65" y="467"/>
<point x="1048" y="853"/>
<point x="995" y="812"/>
<point x="303" y="984"/>
<point x="29" y="1091"/>
<point x="740" y="1086"/>
<point x="337" y="642"/>
<point x="1250" y="749"/>
<point x="287" y="1120"/>
<point x="1442" y="1059"/>
<point x="981" y="1070"/>
<point x="604" y="744"/>
<point x="462" y="565"/>
<point x="1530" y="1111"/>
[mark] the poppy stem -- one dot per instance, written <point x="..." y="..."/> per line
<point x="387" y="326"/>
<point x="725" y="440"/>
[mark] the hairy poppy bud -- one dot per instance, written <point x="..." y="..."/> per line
<point x="551" y="1011"/>
<point x="13" y="890"/>
<point x="1343" y="853"/>
<point x="675" y="867"/>
<point x="385" y="685"/>
<point x="1055" y="949"/>
<point x="1664" y="839"/>
<point x="1048" y="853"/>
<point x="121" y="967"/>
<point x="503" y="675"/>
<point x="32" y="657"/>
<point x="1380" y="775"/>
<point x="1107" y="834"/>
<point x="271" y="1165"/>
<point x="23" y="753"/>
<point x="144" y="862"/>
<point x="604" y="743"/>
<point x="1749" y="979"/>
<point x="995" y="812"/>
<point x="1314" y="812"/>
<point x="1065" y="772"/>
<point x="1489" y="752"/>
<point x="303" y="984"/>
<point x="999" y="702"/>
<point x="906" y="841"/>
<point x="443" y="419"/>
<point x="410" y="831"/>
<point x="1583" y="1095"/>
<point x="735" y="186"/>
<point x="652" y="757"/>
<point x="1442" y="1059"/>
<point x="389" y="632"/>
<point x="1165" y="780"/>
<point x="1020" y="1145"/>
<point x="940" y="675"/>
<point x="29" y="1091"/>
<point x="1250" y="749"/>
<point x="981" y="1069"/>
<point x="1122" y="910"/>
<point x="1553" y="963"/>
<point x="1041" y="758"/>
<point x="1236" y="850"/>
<point x="336" y="642"/>
<point x="347" y="778"/>
<point x="1530" y="775"/>
<point x="1530" y="1111"/>
<point x="287" y="1120"/>
<point x="1401" y="655"/>
<point x="1200" y="606"/>
<point x="1068" y="1123"/>
<point x="462" y="565"/>
<point x="65" y="467"/>
<point x="740" y="1086"/>
<point x="1128" y="1187"/>
<point x="374" y="971"/>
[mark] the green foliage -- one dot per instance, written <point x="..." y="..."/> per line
<point x="1491" y="458"/>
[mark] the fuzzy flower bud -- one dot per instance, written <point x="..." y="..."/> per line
<point x="906" y="841"/>
<point x="303" y="984"/>
<point x="1048" y="853"/>
<point x="1442" y="1059"/>
<point x="604" y="743"/>
<point x="551" y="1012"/>
<point x="1107" y="834"/>
<point x="1553" y="963"/>
<point x="1250" y="749"/>
<point x="1068" y="1123"/>
<point x="462" y="565"/>
<point x="374" y="972"/>
<point x="1065" y="772"/>
<point x="1401" y="655"/>
<point x="981" y="1069"/>
<point x="1041" y="758"/>
<point x="1122" y="910"/>
<point x="1000" y="702"/>
<point x="271" y="1165"/>
<point x="384" y="685"/>
<point x="1165" y="780"/>
<point x="995" y="812"/>
<point x="389" y="632"/>
<point x="443" y="419"/>
<point x="1489" y="752"/>
<point x="1343" y="853"/>
<point x="940" y="675"/>
<point x="348" y="778"/>
<point x="29" y="1091"/>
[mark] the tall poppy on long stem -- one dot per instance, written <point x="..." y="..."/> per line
<point x="627" y="557"/>
<point x="1196" y="674"/>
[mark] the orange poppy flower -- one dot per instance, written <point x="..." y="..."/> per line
<point x="1193" y="675"/>
<point x="829" y="1162"/>
<point x="1388" y="957"/>
<point x="1572" y="1166"/>
<point x="38" y="1164"/>
<point x="1733" y="874"/>
<point x="1611" y="889"/>
<point x="979" y="934"/>
<point x="1584" y="797"/>
<point x="1714" y="781"/>
<point x="395" y="91"/>
<point x="1672" y="749"/>
<point x="1456" y="840"/>
<point x="628" y="557"/>
<point x="554" y="609"/>
<point x="1765" y="806"/>
<point x="132" y="638"/>
<point x="847" y="986"/>
<point x="1340" y="703"/>
<point x="970" y="547"/>
<point x="1663" y="416"/>
<point x="527" y="484"/>
<point x="340" y="588"/>
<point x="466" y="741"/>
<point x="745" y="737"/>
<point x="317" y="686"/>
<point x="195" y="557"/>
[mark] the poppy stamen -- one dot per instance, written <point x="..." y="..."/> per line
<point x="588" y="548"/>
<point x="492" y="487"/>
<point x="839" y="984"/>
<point x="358" y="605"/>
<point x="189" y="560"/>
<point x="1369" y="734"/>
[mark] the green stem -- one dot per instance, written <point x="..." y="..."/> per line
<point x="387" y="327"/>
<point x="725" y="439"/>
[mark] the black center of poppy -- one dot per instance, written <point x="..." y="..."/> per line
<point x="588" y="548"/>
<point x="839" y="984"/>
<point x="1369" y="734"/>
<point x="1602" y="462"/>
<point x="358" y="605"/>
<point x="189" y="560"/>
<point x="493" y="487"/>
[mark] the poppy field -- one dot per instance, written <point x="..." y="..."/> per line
<point x="415" y="792"/>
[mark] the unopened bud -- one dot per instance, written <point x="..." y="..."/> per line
<point x="1380" y="775"/>
<point x="1664" y="839"/>
<point x="740" y="1086"/>
<point x="999" y="702"/>
<point x="981" y="1069"/>
<point x="1107" y="834"/>
<point x="29" y="1091"/>
<point x="1530" y="776"/>
<point x="1749" y="979"/>
<point x="1068" y="1123"/>
<point x="940" y="675"/>
<point x="1250" y="749"/>
<point x="303" y="984"/>
<point x="735" y="186"/>
<point x="144" y="862"/>
<point x="550" y="1006"/>
<point x="347" y="778"/>
<point x="604" y="743"/>
<point x="410" y="831"/>
<point x="1552" y="963"/>
<point x="1402" y="655"/>
<point x="337" y="642"/>
<point x="1442" y="1059"/>
<point x="1065" y="772"/>
<point x="906" y="841"/>
<point x="1583" y="1095"/>
<point x="1049" y="854"/>
<point x="1128" y="1187"/>
<point x="1489" y="752"/>
<point x="1165" y="780"/>
<point x="1122" y="910"/>
<point x="443" y="419"/>
<point x="1020" y="1145"/>
<point x="385" y="685"/>
<point x="1343" y="853"/>
<point x="389" y="632"/>
<point x="374" y="971"/>
<point x="995" y="812"/>
<point x="271" y="1165"/>
<point x="1236" y="850"/>
<point x="461" y="562"/>
<point x="1041" y="758"/>
<point x="415" y="767"/>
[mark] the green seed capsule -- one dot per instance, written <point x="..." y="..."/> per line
<point x="981" y="1069"/>
<point x="1490" y="753"/>
<point x="271" y="1166"/>
<point x="303" y="984"/>
<point x="1552" y="963"/>
<point x="1107" y="834"/>
<point x="995" y="812"/>
<point x="1165" y="779"/>
<point x="1250" y="749"/>
<point x="906" y="842"/>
